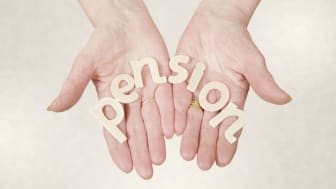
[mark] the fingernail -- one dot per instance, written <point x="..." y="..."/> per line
<point x="50" y="107"/>
<point x="129" y="171"/>
<point x="290" y="99"/>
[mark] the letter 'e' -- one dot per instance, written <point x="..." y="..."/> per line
<point x="137" y="67"/>
<point x="119" y="92"/>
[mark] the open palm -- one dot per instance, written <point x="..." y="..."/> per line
<point x="232" y="58"/>
<point x="107" y="55"/>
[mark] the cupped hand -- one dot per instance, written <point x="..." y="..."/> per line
<point x="131" y="35"/>
<point x="232" y="58"/>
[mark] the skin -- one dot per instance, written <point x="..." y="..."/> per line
<point x="128" y="34"/>
<point x="217" y="36"/>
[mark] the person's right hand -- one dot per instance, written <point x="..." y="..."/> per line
<point x="124" y="32"/>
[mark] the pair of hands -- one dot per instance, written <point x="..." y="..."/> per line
<point x="124" y="31"/>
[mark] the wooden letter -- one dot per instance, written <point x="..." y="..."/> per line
<point x="230" y="110"/>
<point x="119" y="92"/>
<point x="196" y="77"/>
<point x="137" y="67"/>
<point x="181" y="73"/>
<point x="224" y="96"/>
<point x="110" y="125"/>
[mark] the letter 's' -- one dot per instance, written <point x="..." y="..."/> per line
<point x="181" y="73"/>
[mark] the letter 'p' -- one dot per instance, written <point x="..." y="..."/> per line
<point x="110" y="124"/>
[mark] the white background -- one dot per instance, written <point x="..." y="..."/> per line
<point x="291" y="146"/>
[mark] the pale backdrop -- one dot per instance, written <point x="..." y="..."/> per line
<point x="291" y="146"/>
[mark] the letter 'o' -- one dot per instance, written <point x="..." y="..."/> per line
<point x="224" y="96"/>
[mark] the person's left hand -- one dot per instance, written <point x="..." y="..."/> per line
<point x="232" y="58"/>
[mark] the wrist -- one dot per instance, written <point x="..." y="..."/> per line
<point x="236" y="11"/>
<point x="108" y="13"/>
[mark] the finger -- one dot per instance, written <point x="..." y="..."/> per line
<point x="182" y="99"/>
<point x="156" y="144"/>
<point x="263" y="83"/>
<point x="74" y="86"/>
<point x="225" y="150"/>
<point x="164" y="99"/>
<point x="206" y="154"/>
<point x="120" y="152"/>
<point x="152" y="121"/>
<point x="190" y="138"/>
<point x="137" y="140"/>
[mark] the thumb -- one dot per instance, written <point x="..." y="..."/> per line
<point x="74" y="86"/>
<point x="263" y="83"/>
